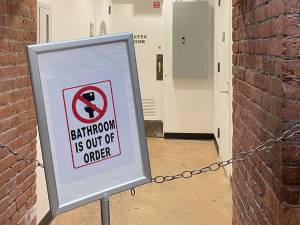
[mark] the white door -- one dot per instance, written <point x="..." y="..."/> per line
<point x="43" y="36"/>
<point x="44" y="23"/>
<point x="222" y="76"/>
<point x="146" y="23"/>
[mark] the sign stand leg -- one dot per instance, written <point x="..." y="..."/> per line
<point x="105" y="213"/>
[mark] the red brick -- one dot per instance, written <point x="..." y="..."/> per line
<point x="22" y="199"/>
<point x="291" y="174"/>
<point x="290" y="85"/>
<point x="31" y="219"/>
<point x="256" y="79"/>
<point x="4" y="99"/>
<point x="266" y="97"/>
<point x="291" y="110"/>
<point x="4" y="46"/>
<point x="8" y="136"/>
<point x="3" y="21"/>
<point x="5" y="216"/>
<point x="272" y="104"/>
<point x="276" y="8"/>
<point x="291" y="67"/>
<point x="18" y="8"/>
<point x="6" y="176"/>
<point x="8" y="59"/>
<point x="260" y="14"/>
<point x="14" y="219"/>
<point x="292" y="47"/>
<point x="22" y="58"/>
<point x="292" y="6"/>
<point x="290" y="216"/>
<point x="22" y="212"/>
<point x="25" y="173"/>
<point x="17" y="123"/>
<point x="290" y="194"/>
<point x="31" y="202"/>
<point x="7" y="85"/>
<point x="238" y="72"/>
<point x="291" y="26"/>
<point x="8" y="200"/>
<point x="279" y="25"/>
<point x="276" y="47"/>
<point x="291" y="153"/>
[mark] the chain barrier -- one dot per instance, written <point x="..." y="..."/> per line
<point x="21" y="156"/>
<point x="241" y="156"/>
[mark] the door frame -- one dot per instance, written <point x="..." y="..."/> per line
<point x="49" y="8"/>
<point x="225" y="151"/>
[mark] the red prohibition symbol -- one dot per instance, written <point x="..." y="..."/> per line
<point x="90" y="107"/>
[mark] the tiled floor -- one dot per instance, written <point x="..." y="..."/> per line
<point x="202" y="200"/>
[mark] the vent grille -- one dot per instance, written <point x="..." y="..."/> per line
<point x="149" y="107"/>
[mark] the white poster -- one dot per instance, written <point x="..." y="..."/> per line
<point x="92" y="123"/>
<point x="90" y="119"/>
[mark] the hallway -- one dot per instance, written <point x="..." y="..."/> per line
<point x="204" y="199"/>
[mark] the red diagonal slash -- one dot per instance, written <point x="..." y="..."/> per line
<point x="89" y="104"/>
<point x="78" y="97"/>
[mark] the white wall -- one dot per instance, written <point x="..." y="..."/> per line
<point x="188" y="103"/>
<point x="71" y="19"/>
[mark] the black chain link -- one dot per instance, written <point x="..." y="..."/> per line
<point x="241" y="156"/>
<point x="21" y="156"/>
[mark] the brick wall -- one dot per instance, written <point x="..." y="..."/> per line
<point x="266" y="95"/>
<point x="17" y="116"/>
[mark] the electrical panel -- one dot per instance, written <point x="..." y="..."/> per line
<point x="191" y="30"/>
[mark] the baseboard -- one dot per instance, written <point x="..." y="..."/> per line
<point x="154" y="128"/>
<point x="189" y="136"/>
<point x="216" y="145"/>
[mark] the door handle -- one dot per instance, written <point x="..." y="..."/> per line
<point x="224" y="92"/>
<point x="183" y="40"/>
<point x="159" y="67"/>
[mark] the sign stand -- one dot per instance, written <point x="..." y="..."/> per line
<point x="88" y="106"/>
<point x="105" y="213"/>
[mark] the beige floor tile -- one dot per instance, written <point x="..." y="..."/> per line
<point x="203" y="200"/>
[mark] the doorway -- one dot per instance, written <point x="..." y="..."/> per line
<point x="223" y="79"/>
<point x="144" y="19"/>
<point x="44" y="23"/>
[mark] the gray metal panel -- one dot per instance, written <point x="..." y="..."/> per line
<point x="190" y="39"/>
<point x="33" y="52"/>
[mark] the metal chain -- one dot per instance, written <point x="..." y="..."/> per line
<point x="21" y="156"/>
<point x="241" y="156"/>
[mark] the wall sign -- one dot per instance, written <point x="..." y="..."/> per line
<point x="92" y="123"/>
<point x="90" y="119"/>
<point x="156" y="5"/>
<point x="140" y="38"/>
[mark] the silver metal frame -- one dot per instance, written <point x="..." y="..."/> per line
<point x="33" y="51"/>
